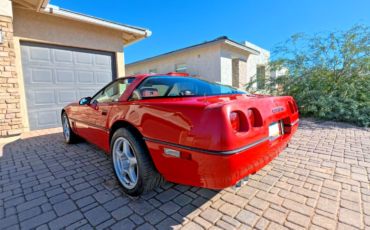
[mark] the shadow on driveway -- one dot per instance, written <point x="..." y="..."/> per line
<point x="48" y="184"/>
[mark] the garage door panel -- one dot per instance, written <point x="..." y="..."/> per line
<point x="84" y="59"/>
<point x="85" y="77"/>
<point x="102" y="60"/>
<point x="55" y="76"/>
<point x="64" y="76"/>
<point x="103" y="77"/>
<point x="63" y="56"/>
<point x="86" y="93"/>
<point x="39" y="54"/>
<point x="45" y="119"/>
<point x="38" y="76"/>
<point x="43" y="97"/>
<point x="67" y="96"/>
<point x="40" y="98"/>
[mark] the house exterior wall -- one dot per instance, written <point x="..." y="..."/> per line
<point x="228" y="54"/>
<point x="215" y="63"/>
<point x="262" y="60"/>
<point x="206" y="65"/>
<point x="10" y="116"/>
<point x="239" y="73"/>
<point x="277" y="73"/>
<point x="6" y="8"/>
<point x="42" y="28"/>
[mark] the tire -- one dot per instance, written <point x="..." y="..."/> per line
<point x="123" y="161"/>
<point x="69" y="136"/>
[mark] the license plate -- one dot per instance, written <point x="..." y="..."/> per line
<point x="274" y="131"/>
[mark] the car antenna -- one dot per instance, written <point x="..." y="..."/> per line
<point x="205" y="100"/>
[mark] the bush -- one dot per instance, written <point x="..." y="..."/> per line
<point x="328" y="74"/>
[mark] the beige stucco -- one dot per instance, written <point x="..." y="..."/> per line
<point x="37" y="27"/>
<point x="6" y="8"/>
<point x="252" y="61"/>
<point x="48" y="28"/>
<point x="212" y="62"/>
<point x="203" y="62"/>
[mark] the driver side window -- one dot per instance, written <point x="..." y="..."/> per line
<point x="112" y="92"/>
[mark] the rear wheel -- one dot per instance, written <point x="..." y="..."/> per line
<point x="69" y="136"/>
<point x="132" y="163"/>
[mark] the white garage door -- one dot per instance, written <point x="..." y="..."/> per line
<point x="55" y="76"/>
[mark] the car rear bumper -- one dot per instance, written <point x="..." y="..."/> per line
<point x="216" y="171"/>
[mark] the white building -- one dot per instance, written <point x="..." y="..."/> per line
<point x="222" y="60"/>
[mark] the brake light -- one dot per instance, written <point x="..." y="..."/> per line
<point x="177" y="74"/>
<point x="291" y="106"/>
<point x="295" y="106"/>
<point x="251" y="117"/>
<point x="235" y="121"/>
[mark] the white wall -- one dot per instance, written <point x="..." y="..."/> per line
<point x="207" y="65"/>
<point x="280" y="72"/>
<point x="6" y="8"/>
<point x="214" y="63"/>
<point x="256" y="60"/>
<point x="227" y="54"/>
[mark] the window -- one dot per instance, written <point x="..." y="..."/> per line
<point x="260" y="77"/>
<point x="137" y="73"/>
<point x="171" y="86"/>
<point x="153" y="71"/>
<point x="112" y="92"/>
<point x="180" y="68"/>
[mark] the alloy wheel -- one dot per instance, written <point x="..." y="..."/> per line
<point x="125" y="163"/>
<point x="66" y="128"/>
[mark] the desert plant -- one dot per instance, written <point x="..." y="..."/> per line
<point x="328" y="74"/>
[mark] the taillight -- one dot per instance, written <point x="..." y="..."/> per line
<point x="235" y="121"/>
<point x="295" y="106"/>
<point x="251" y="117"/>
<point x="291" y="106"/>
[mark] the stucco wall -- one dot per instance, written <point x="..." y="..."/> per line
<point x="227" y="54"/>
<point x="252" y="61"/>
<point x="6" y="8"/>
<point x="214" y="63"/>
<point x="262" y="59"/>
<point x="43" y="27"/>
<point x="206" y="65"/>
<point x="38" y="27"/>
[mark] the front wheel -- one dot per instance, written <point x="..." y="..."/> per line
<point x="69" y="136"/>
<point x="132" y="163"/>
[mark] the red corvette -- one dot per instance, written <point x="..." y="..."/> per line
<point x="181" y="129"/>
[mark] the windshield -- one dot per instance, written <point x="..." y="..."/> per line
<point x="170" y="86"/>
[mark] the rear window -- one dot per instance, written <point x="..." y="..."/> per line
<point x="170" y="86"/>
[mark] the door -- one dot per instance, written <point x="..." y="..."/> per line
<point x="55" y="76"/>
<point x="93" y="117"/>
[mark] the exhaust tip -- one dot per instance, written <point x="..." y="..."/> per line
<point x="240" y="183"/>
<point x="237" y="185"/>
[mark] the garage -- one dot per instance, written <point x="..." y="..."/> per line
<point x="50" y="57"/>
<point x="55" y="76"/>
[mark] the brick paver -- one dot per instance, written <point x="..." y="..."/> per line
<point x="320" y="182"/>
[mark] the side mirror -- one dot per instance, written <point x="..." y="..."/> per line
<point x="84" y="101"/>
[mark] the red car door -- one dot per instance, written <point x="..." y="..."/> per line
<point x="98" y="130"/>
<point x="92" y="117"/>
<point x="83" y="119"/>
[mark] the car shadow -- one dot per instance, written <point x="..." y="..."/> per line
<point x="40" y="171"/>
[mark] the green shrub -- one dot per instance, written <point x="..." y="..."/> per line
<point x="328" y="74"/>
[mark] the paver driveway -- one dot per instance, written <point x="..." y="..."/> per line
<point x="320" y="181"/>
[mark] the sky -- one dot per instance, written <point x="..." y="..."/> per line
<point x="180" y="23"/>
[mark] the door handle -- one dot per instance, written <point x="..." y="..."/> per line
<point x="105" y="112"/>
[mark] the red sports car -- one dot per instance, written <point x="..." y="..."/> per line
<point x="181" y="129"/>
